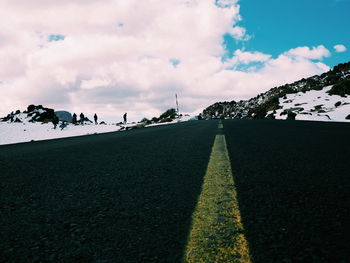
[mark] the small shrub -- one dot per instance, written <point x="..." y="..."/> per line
<point x="304" y="89"/>
<point x="347" y="117"/>
<point x="318" y="107"/>
<point x="318" y="87"/>
<point x="260" y="113"/>
<point x="170" y="113"/>
<point x="291" y="115"/>
<point x="146" y="121"/>
<point x="337" y="104"/>
<point x="166" y="120"/>
<point x="270" y="116"/>
<point x="296" y="109"/>
<point x="342" y="67"/>
<point x="270" y="105"/>
<point x="138" y="126"/>
<point x="332" y="78"/>
<point x="342" y="88"/>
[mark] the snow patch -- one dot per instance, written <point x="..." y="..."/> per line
<point x="315" y="105"/>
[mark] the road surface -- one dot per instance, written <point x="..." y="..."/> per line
<point x="131" y="196"/>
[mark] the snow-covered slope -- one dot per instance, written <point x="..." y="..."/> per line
<point x="324" y="98"/>
<point x="26" y="131"/>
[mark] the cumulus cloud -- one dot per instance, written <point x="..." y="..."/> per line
<point x="339" y="48"/>
<point x="247" y="57"/>
<point x="117" y="56"/>
<point x="318" y="52"/>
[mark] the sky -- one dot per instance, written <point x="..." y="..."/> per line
<point x="116" y="56"/>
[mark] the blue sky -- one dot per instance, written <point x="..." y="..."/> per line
<point x="57" y="37"/>
<point x="277" y="26"/>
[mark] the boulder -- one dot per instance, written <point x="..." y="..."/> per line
<point x="40" y="113"/>
<point x="64" y="116"/>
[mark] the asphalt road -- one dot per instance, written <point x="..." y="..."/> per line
<point x="117" y="197"/>
<point x="129" y="196"/>
<point x="293" y="185"/>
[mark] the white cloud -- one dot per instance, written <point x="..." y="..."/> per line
<point x="118" y="56"/>
<point x="226" y="3"/>
<point x="318" y="52"/>
<point x="248" y="57"/>
<point x="239" y="33"/>
<point x="339" y="48"/>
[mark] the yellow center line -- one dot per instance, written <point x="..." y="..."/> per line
<point x="217" y="233"/>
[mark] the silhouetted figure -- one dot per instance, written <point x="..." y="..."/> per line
<point x="12" y="116"/>
<point x="95" y="118"/>
<point x="82" y="117"/>
<point x="55" y="121"/>
<point x="63" y="125"/>
<point x="74" y="118"/>
<point x="125" y="117"/>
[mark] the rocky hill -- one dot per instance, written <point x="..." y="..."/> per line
<point x="33" y="113"/>
<point x="36" y="113"/>
<point x="321" y="97"/>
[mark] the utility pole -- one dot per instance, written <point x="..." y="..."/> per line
<point x="177" y="106"/>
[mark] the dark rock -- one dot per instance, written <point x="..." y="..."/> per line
<point x="40" y="113"/>
<point x="31" y="108"/>
<point x="48" y="114"/>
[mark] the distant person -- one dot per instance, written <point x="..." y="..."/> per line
<point x="125" y="117"/>
<point x="74" y="118"/>
<point x="95" y="118"/>
<point x="63" y="125"/>
<point x="55" y="121"/>
<point x="12" y="116"/>
<point x="82" y="117"/>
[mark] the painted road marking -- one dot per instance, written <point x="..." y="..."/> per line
<point x="220" y="126"/>
<point x="217" y="233"/>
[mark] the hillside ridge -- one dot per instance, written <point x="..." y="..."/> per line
<point x="277" y="103"/>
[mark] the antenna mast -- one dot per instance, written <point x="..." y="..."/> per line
<point x="177" y="106"/>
